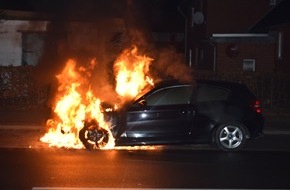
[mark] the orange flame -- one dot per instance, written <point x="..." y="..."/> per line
<point x="75" y="102"/>
<point x="132" y="73"/>
<point x="72" y="109"/>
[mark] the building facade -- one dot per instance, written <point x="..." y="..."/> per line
<point x="21" y="42"/>
<point x="219" y="39"/>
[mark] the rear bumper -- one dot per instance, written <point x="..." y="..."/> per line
<point x="257" y="128"/>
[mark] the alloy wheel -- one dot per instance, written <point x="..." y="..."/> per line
<point x="231" y="137"/>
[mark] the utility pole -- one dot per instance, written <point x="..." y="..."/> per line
<point x="185" y="33"/>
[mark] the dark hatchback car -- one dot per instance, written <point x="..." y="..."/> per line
<point x="219" y="112"/>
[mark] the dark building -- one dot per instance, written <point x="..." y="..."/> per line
<point x="277" y="21"/>
<point x="225" y="36"/>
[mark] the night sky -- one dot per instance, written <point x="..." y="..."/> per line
<point x="159" y="14"/>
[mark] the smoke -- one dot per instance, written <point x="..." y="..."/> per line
<point x="81" y="32"/>
<point x="77" y="32"/>
<point x="170" y="64"/>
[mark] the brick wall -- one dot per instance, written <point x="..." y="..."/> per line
<point x="263" y="53"/>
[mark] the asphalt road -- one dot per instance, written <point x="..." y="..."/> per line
<point x="276" y="137"/>
<point x="29" y="138"/>
<point x="174" y="168"/>
<point x="27" y="163"/>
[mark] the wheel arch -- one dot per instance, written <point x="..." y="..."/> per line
<point x="220" y="127"/>
<point x="225" y="122"/>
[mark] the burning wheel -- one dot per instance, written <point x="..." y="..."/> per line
<point x="230" y="137"/>
<point x="93" y="136"/>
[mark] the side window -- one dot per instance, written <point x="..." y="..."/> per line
<point x="170" y="96"/>
<point x="211" y="93"/>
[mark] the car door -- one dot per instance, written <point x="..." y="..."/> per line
<point x="210" y="101"/>
<point x="165" y="114"/>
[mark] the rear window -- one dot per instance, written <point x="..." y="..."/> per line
<point x="170" y="96"/>
<point x="244" y="94"/>
<point x="211" y="93"/>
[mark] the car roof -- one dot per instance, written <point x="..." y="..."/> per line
<point x="221" y="83"/>
<point x="167" y="83"/>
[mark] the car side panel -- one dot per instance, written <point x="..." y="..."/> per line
<point x="159" y="122"/>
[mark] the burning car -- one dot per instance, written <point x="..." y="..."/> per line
<point x="219" y="112"/>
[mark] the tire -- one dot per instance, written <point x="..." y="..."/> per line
<point x="83" y="136"/>
<point x="230" y="136"/>
<point x="93" y="137"/>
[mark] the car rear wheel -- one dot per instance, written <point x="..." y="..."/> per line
<point x="230" y="137"/>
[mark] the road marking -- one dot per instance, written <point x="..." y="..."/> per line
<point x="93" y="188"/>
<point x="277" y="132"/>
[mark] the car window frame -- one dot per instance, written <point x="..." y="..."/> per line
<point x="195" y="94"/>
<point x="150" y="93"/>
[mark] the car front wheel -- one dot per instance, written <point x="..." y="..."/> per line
<point x="92" y="136"/>
<point x="230" y="137"/>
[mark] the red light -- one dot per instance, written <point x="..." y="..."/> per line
<point x="257" y="106"/>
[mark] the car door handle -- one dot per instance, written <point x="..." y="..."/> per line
<point x="188" y="112"/>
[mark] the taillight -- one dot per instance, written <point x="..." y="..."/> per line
<point x="256" y="106"/>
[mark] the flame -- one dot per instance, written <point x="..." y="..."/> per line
<point x="72" y="108"/>
<point x="76" y="103"/>
<point x="132" y="73"/>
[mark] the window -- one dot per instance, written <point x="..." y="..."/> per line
<point x="249" y="65"/>
<point x="210" y="93"/>
<point x="32" y="47"/>
<point x="170" y="96"/>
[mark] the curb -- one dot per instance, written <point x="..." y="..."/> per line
<point x="270" y="132"/>
<point x="21" y="127"/>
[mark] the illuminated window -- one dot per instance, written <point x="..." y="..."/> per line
<point x="249" y="65"/>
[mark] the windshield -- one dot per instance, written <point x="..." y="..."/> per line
<point x="146" y="89"/>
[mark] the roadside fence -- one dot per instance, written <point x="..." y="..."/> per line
<point x="19" y="91"/>
<point x="272" y="89"/>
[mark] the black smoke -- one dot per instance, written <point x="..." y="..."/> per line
<point x="101" y="30"/>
